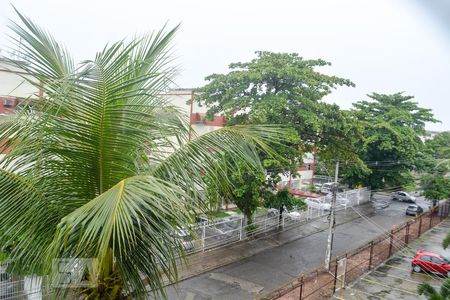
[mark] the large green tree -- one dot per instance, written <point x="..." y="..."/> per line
<point x="391" y="146"/>
<point x="284" y="88"/>
<point x="100" y="165"/>
<point x="439" y="145"/>
<point x="435" y="187"/>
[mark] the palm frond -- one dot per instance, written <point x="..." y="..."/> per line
<point x="132" y="220"/>
<point x="188" y="165"/>
<point x="428" y="291"/>
<point x="445" y="289"/>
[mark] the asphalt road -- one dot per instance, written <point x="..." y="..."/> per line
<point x="256" y="275"/>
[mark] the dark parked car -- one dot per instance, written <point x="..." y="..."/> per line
<point x="183" y="236"/>
<point x="403" y="197"/>
<point x="414" y="210"/>
<point x="430" y="262"/>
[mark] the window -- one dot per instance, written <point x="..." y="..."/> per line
<point x="8" y="102"/>
<point x="425" y="258"/>
<point x="436" y="260"/>
<point x="445" y="259"/>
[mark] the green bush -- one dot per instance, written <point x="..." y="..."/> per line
<point x="299" y="203"/>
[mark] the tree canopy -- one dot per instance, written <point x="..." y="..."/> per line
<point x="391" y="146"/>
<point x="439" y="145"/>
<point x="286" y="89"/>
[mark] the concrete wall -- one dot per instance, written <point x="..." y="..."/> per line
<point x="12" y="82"/>
<point x="195" y="114"/>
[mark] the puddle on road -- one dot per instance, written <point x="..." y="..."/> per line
<point x="379" y="295"/>
<point x="394" y="261"/>
<point x="381" y="271"/>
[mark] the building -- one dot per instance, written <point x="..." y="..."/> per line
<point x="13" y="87"/>
<point x="182" y="98"/>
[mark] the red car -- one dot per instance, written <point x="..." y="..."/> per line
<point x="430" y="262"/>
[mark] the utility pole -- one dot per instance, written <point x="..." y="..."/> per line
<point x="332" y="221"/>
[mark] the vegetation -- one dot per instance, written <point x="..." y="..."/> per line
<point x="432" y="294"/>
<point x="217" y="214"/>
<point x="439" y="146"/>
<point x="3" y="256"/>
<point x="435" y="187"/>
<point x="246" y="182"/>
<point x="435" y="182"/>
<point x="101" y="167"/>
<point x="391" y="146"/>
<point x="284" y="89"/>
<point x="283" y="198"/>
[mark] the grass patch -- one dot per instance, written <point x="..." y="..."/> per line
<point x="217" y="214"/>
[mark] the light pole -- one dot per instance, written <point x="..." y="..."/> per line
<point x="332" y="221"/>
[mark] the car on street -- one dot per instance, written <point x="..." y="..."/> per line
<point x="326" y="187"/>
<point x="430" y="262"/>
<point x="403" y="197"/>
<point x="272" y="212"/>
<point x="317" y="204"/>
<point x="183" y="237"/>
<point x="414" y="210"/>
<point x="293" y="215"/>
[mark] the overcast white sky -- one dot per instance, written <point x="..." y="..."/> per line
<point x="383" y="46"/>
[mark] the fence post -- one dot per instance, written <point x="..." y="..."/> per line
<point x="282" y="220"/>
<point x="431" y="217"/>
<point x="407" y="233"/>
<point x="335" y="275"/>
<point x="371" y="255"/>
<point x="240" y="231"/>
<point x="203" y="235"/>
<point x="301" y="288"/>
<point x="344" y="279"/>
<point x="390" y="243"/>
<point x="420" y="225"/>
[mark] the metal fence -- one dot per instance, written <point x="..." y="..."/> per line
<point x="212" y="234"/>
<point x="14" y="287"/>
<point x="322" y="284"/>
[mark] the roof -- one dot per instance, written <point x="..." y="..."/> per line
<point x="422" y="252"/>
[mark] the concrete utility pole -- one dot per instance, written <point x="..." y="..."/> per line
<point x="332" y="221"/>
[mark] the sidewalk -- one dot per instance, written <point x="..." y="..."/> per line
<point x="200" y="262"/>
<point x="394" y="279"/>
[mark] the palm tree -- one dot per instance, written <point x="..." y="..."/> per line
<point x="432" y="294"/>
<point x="100" y="165"/>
